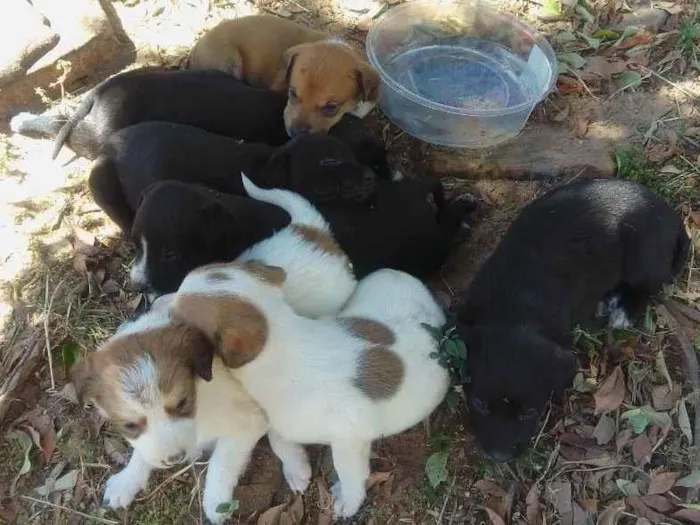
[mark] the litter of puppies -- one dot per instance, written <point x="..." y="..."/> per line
<point x="284" y="265"/>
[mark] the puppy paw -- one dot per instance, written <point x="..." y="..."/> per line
<point x="122" y="489"/>
<point x="18" y="123"/>
<point x="619" y="319"/>
<point x="216" y="499"/>
<point x="298" y="479"/>
<point x="468" y="202"/>
<point x="345" y="505"/>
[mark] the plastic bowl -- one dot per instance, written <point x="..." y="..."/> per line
<point x="459" y="73"/>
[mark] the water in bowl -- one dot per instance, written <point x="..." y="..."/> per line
<point x="475" y="75"/>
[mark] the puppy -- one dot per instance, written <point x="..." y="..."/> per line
<point x="209" y="100"/>
<point x="344" y="381"/>
<point x="564" y="253"/>
<point x="320" y="277"/>
<point x="167" y="229"/>
<point x="318" y="167"/>
<point x="325" y="78"/>
<point x="160" y="386"/>
<point x="403" y="231"/>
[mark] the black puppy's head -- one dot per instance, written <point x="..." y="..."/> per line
<point x="513" y="373"/>
<point x="175" y="230"/>
<point x="322" y="169"/>
<point x="365" y="144"/>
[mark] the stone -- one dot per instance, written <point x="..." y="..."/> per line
<point x="91" y="45"/>
<point x="24" y="38"/>
<point x="541" y="151"/>
<point x="646" y="17"/>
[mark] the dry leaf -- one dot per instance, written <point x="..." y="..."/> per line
<point x="642" y="511"/>
<point x="494" y="517"/>
<point x="116" y="451"/>
<point x="641" y="450"/>
<point x="63" y="483"/>
<point x="272" y="515"/>
<point x="602" y="67"/>
<point x="659" y="151"/>
<point x="605" y="430"/>
<point x="581" y="515"/>
<point x="494" y="496"/>
<point x="559" y="495"/>
<point x="640" y="37"/>
<point x="40" y="428"/>
<point x="611" y="393"/>
<point x="611" y="515"/>
<point x="294" y="513"/>
<point x="661" y="482"/>
<point x="689" y="515"/>
<point x="562" y="115"/>
<point x="566" y="85"/>
<point x="533" y="510"/>
<point x="579" y="126"/>
<point x="325" y="503"/>
<point x="665" y="398"/>
<point x="378" y="477"/>
<point x="658" y="503"/>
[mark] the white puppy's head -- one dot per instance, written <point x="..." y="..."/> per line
<point x="145" y="384"/>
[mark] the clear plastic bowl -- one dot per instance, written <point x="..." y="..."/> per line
<point x="459" y="73"/>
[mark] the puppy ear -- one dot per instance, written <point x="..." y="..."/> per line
<point x="367" y="82"/>
<point x="288" y="60"/>
<point x="202" y="355"/>
<point x="270" y="274"/>
<point x="85" y="379"/>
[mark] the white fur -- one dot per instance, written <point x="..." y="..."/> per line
<point x="618" y="317"/>
<point x="318" y="283"/>
<point x="363" y="108"/>
<point x="304" y="376"/>
<point x="137" y="274"/>
<point x="29" y="123"/>
<point x="226" y="419"/>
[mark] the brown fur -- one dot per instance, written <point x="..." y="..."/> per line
<point x="97" y="376"/>
<point x="380" y="373"/>
<point x="322" y="73"/>
<point x="237" y="327"/>
<point x="216" y="272"/>
<point x="251" y="48"/>
<point x="324" y="241"/>
<point x="370" y="330"/>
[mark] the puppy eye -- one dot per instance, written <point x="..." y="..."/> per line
<point x="479" y="405"/>
<point x="130" y="426"/>
<point x="530" y="413"/>
<point x="330" y="109"/>
<point x="171" y="256"/>
<point x="329" y="162"/>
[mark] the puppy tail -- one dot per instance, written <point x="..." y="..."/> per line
<point x="300" y="210"/>
<point x="67" y="128"/>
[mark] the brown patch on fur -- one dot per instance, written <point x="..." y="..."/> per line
<point x="322" y="73"/>
<point x="179" y="354"/>
<point x="380" y="373"/>
<point x="324" y="241"/>
<point x="273" y="275"/>
<point x="370" y="330"/>
<point x="237" y="327"/>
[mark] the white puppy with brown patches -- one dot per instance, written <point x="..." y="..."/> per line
<point x="344" y="381"/>
<point x="159" y="384"/>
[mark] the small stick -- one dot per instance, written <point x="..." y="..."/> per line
<point x="690" y="313"/>
<point x="673" y="84"/>
<point x="546" y="420"/>
<point x="67" y="509"/>
<point x="48" y="305"/>
<point x="447" y="498"/>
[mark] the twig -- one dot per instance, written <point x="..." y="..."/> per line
<point x="447" y="498"/>
<point x="670" y="83"/>
<point x="67" y="509"/>
<point x="546" y="420"/>
<point x="687" y="311"/>
<point x="565" y="470"/>
<point x="48" y="306"/>
<point x="164" y="483"/>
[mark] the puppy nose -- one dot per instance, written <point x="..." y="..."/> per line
<point x="368" y="176"/>
<point x="300" y="129"/>
<point x="177" y="458"/>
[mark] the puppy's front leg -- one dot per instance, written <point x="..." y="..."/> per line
<point x="227" y="463"/>
<point x="295" y="462"/>
<point x="123" y="486"/>
<point x="351" y="462"/>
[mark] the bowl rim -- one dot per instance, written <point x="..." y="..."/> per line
<point x="540" y="41"/>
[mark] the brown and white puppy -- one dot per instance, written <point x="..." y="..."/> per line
<point x="342" y="381"/>
<point x="325" y="77"/>
<point x="158" y="383"/>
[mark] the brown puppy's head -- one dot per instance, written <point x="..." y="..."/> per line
<point x="144" y="383"/>
<point x="325" y="80"/>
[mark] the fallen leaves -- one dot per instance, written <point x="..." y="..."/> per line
<point x="611" y="393"/>
<point x="288" y="513"/>
<point x="661" y="482"/>
<point x="665" y="398"/>
<point x="495" y="500"/>
<point x="641" y="450"/>
<point x="604" y="430"/>
<point x="436" y="468"/>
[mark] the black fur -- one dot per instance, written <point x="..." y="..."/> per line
<point x="175" y="214"/>
<point x="320" y="167"/>
<point x="209" y="100"/>
<point x="404" y="231"/>
<point x="564" y="253"/>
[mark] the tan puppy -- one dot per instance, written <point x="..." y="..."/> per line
<point x="325" y="78"/>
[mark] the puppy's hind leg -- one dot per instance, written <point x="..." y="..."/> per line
<point x="107" y="192"/>
<point x="295" y="462"/>
<point x="351" y="462"/>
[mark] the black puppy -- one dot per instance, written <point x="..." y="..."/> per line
<point x="566" y="251"/>
<point x="170" y="216"/>
<point x="319" y="167"/>
<point x="404" y="232"/>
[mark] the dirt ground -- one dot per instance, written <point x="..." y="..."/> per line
<point x="623" y="448"/>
